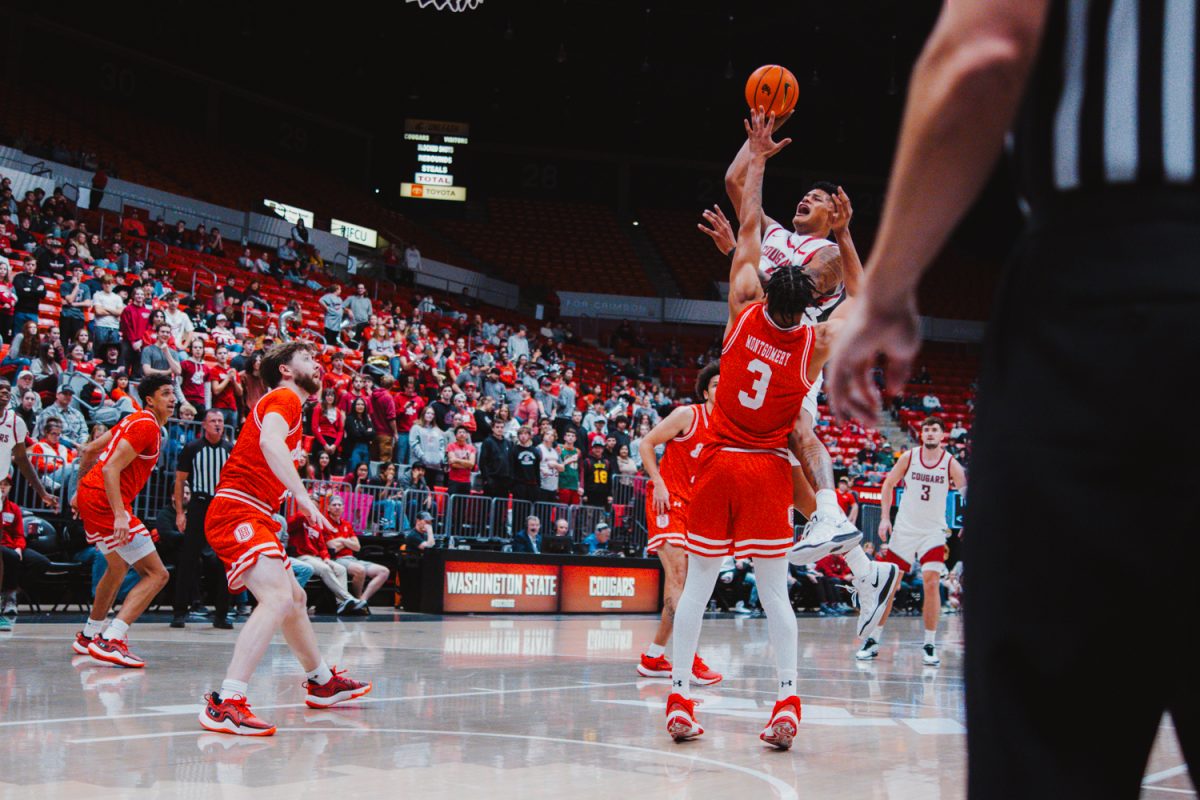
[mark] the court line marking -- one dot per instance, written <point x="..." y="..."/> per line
<point x="359" y="701"/>
<point x="1169" y="789"/>
<point x="1166" y="773"/>
<point x="782" y="788"/>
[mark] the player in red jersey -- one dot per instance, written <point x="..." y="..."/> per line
<point x="684" y="433"/>
<point x="742" y="496"/>
<point x="124" y="456"/>
<point x="239" y="528"/>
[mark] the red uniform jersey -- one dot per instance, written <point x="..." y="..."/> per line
<point x="305" y="540"/>
<point x="764" y="378"/>
<point x="246" y="476"/>
<point x="681" y="455"/>
<point x="344" y="531"/>
<point x="143" y="433"/>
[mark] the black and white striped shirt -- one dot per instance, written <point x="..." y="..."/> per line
<point x="1112" y="101"/>
<point x="203" y="462"/>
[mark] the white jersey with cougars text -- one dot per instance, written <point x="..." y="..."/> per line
<point x="782" y="248"/>
<point x="926" y="486"/>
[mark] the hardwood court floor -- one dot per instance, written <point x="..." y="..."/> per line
<point x="498" y="708"/>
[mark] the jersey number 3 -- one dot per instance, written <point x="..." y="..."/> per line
<point x="758" y="390"/>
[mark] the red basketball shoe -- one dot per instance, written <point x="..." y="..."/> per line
<point x="657" y="667"/>
<point x="702" y="674"/>
<point x="80" y="645"/>
<point x="232" y="716"/>
<point x="337" y="690"/>
<point x="114" y="651"/>
<point x="681" y="718"/>
<point x="784" y="722"/>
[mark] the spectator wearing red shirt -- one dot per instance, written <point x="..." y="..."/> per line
<point x="310" y="545"/>
<point x="196" y="376"/>
<point x="329" y="425"/>
<point x="366" y="577"/>
<point x="22" y="566"/>
<point x="337" y="378"/>
<point x="847" y="499"/>
<point x="461" y="456"/>
<point x="383" y="417"/>
<point x="358" y="388"/>
<point x="226" y="387"/>
<point x="135" y="321"/>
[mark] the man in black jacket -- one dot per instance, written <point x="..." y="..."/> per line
<point x="528" y="540"/>
<point x="526" y="466"/>
<point x="30" y="289"/>
<point x="598" y="469"/>
<point x="495" y="463"/>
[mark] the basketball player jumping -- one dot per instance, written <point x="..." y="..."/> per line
<point x="684" y="433"/>
<point x="920" y="532"/>
<point x="240" y="529"/>
<point x="742" y="497"/>
<point x="124" y="457"/>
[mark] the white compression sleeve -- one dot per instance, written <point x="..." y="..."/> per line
<point x="689" y="613"/>
<point x="772" y="574"/>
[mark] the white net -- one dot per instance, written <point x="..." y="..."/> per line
<point x="455" y="6"/>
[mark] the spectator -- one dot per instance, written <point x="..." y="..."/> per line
<point x="568" y="476"/>
<point x="495" y="462"/>
<point x="358" y="435"/>
<point x="598" y="469"/>
<point x="518" y="344"/>
<point x="328" y="426"/>
<point x="412" y="258"/>
<point x="421" y="537"/>
<point x="196" y="377"/>
<point x="159" y="358"/>
<point x="135" y="321"/>
<point x="365" y="577"/>
<point x="358" y="306"/>
<point x="598" y="541"/>
<point x="460" y="458"/>
<point x="287" y="256"/>
<point x="299" y="232"/>
<point x="216" y="243"/>
<point x="625" y="463"/>
<point x="49" y="456"/>
<point x="74" y="427"/>
<point x="848" y="500"/>
<point x="334" y="307"/>
<point x="107" y="308"/>
<point x="390" y="502"/>
<point x="50" y="361"/>
<point x="76" y="298"/>
<point x="226" y="387"/>
<point x="30" y="291"/>
<point x="931" y="403"/>
<point x="22" y="566"/>
<point x="262" y="265"/>
<point x="383" y="418"/>
<point x="25" y="345"/>
<point x="427" y="446"/>
<point x="527" y="409"/>
<point x="310" y="546"/>
<point x="24" y="386"/>
<point x="8" y="300"/>
<point x="320" y="468"/>
<point x="526" y="466"/>
<point x="550" y="468"/>
<point x="528" y="540"/>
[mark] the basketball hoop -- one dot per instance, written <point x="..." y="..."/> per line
<point x="456" y="6"/>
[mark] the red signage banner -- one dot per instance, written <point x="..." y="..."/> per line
<point x="497" y="588"/>
<point x="601" y="588"/>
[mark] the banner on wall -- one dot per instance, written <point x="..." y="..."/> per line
<point x="482" y="587"/>
<point x="610" y="306"/>
<point x="603" y="588"/>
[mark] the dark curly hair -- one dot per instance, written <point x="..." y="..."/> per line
<point x="709" y="371"/>
<point x="789" y="292"/>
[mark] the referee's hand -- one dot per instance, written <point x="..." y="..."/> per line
<point x="871" y="331"/>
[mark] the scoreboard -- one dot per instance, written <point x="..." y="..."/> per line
<point x="437" y="165"/>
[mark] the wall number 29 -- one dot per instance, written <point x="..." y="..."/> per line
<point x="754" y="399"/>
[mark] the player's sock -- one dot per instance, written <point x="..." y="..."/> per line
<point x="655" y="650"/>
<point x="859" y="564"/>
<point x="931" y="637"/>
<point x="93" y="627"/>
<point x="689" y="614"/>
<point x="771" y="575"/>
<point x="119" y="629"/>
<point x="827" y="503"/>
<point x="231" y="689"/>
<point x="321" y="675"/>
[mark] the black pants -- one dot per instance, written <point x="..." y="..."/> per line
<point x="23" y="570"/>
<point x="525" y="491"/>
<point x="194" y="557"/>
<point x="1066" y="683"/>
<point x="497" y="487"/>
<point x="67" y="328"/>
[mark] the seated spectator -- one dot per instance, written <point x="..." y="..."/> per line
<point x="420" y="537"/>
<point x="931" y="403"/>
<point x="597" y="542"/>
<point x="22" y="566"/>
<point x="74" y="427"/>
<point x="287" y="256"/>
<point x="391" y="519"/>
<point x="528" y="540"/>
<point x="366" y="577"/>
<point x="49" y="455"/>
<point x="310" y="545"/>
<point x="24" y="346"/>
<point x="215" y="244"/>
<point x="50" y="361"/>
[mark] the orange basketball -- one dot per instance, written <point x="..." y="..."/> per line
<point x="774" y="88"/>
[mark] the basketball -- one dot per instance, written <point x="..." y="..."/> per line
<point x="774" y="88"/>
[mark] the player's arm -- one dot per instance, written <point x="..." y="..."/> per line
<point x="273" y="443"/>
<point x="735" y="177"/>
<point x="964" y="93"/>
<point x="888" y="491"/>
<point x="21" y="460"/>
<point x="180" y="512"/>
<point x="677" y="423"/>
<point x="745" y="287"/>
<point x="351" y="543"/>
<point x="122" y="456"/>
<point x="89" y="454"/>
<point x="848" y="264"/>
<point x="958" y="476"/>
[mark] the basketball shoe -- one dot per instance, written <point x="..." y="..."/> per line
<point x="930" y="657"/>
<point x="660" y="667"/>
<point x="869" y="650"/>
<point x="681" y="718"/>
<point x="873" y="591"/>
<point x="338" y="689"/>
<point x="702" y="674"/>
<point x="232" y="716"/>
<point x="824" y="536"/>
<point x="784" y="723"/>
<point x="80" y="645"/>
<point x="114" y="651"/>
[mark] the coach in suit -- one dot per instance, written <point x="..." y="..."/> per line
<point x="528" y="540"/>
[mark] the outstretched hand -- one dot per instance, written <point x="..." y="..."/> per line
<point x="758" y="133"/>
<point x="868" y="332"/>
<point x="721" y="231"/>
<point x="842" y="212"/>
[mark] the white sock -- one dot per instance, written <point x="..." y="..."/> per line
<point x="93" y="627"/>
<point x="931" y="637"/>
<point x="771" y="575"/>
<point x="231" y="689"/>
<point x="655" y="650"/>
<point x="689" y="614"/>
<point x="827" y="504"/>
<point x="859" y="564"/>
<point x="118" y="629"/>
<point x="321" y="675"/>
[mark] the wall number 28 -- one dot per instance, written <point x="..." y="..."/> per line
<point x="754" y="399"/>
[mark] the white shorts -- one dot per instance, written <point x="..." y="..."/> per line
<point x="137" y="548"/>
<point x="908" y="546"/>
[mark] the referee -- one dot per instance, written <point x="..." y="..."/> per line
<point x="1066" y="689"/>
<point x="200" y="465"/>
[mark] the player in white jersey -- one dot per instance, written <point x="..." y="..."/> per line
<point x="13" y="433"/>
<point x="919" y="535"/>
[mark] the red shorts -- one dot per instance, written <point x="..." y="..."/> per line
<point x="669" y="528"/>
<point x="569" y="497"/>
<point x="97" y="517"/>
<point x="741" y="505"/>
<point x="240" y="535"/>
